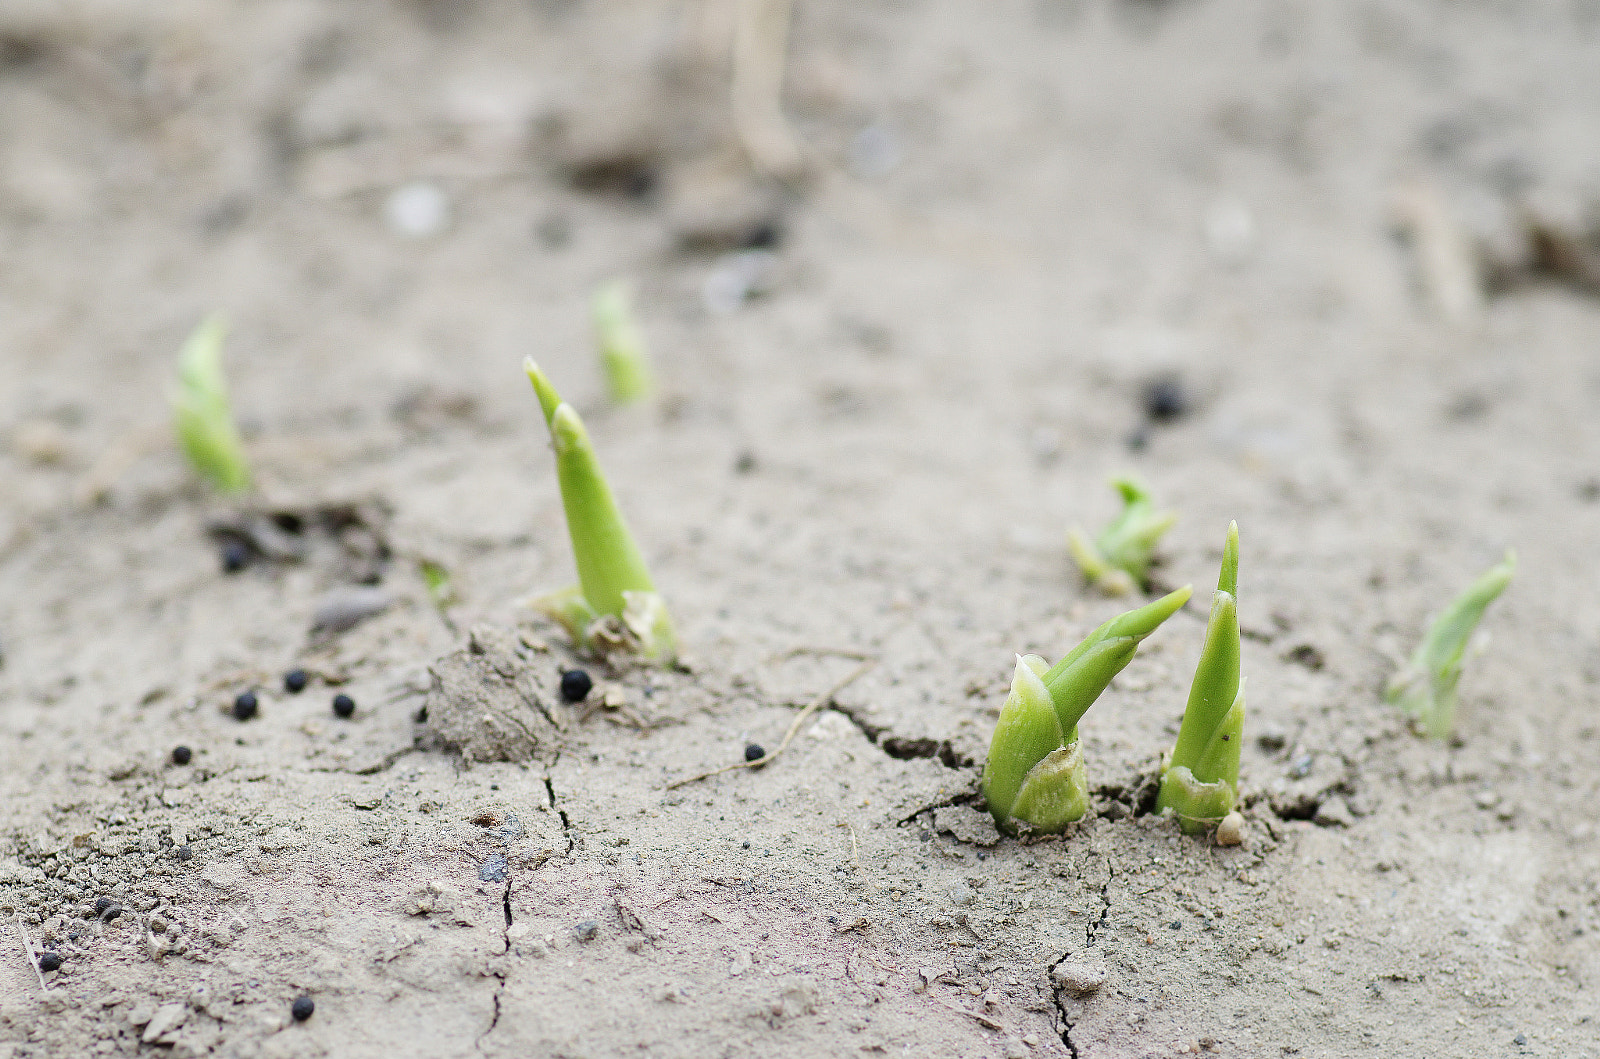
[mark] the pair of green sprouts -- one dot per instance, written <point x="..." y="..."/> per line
<point x="1035" y="779"/>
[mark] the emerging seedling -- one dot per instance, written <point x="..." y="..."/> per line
<point x="1035" y="779"/>
<point x="1426" y="688"/>
<point x="1118" y="560"/>
<point x="1200" y="775"/>
<point x="614" y="606"/>
<point x="622" y="355"/>
<point x="201" y="415"/>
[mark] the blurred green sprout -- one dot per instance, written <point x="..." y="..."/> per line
<point x="622" y="353"/>
<point x="1425" y="688"/>
<point x="1200" y="775"/>
<point x="201" y="414"/>
<point x="614" y="608"/>
<point x="1118" y="560"/>
<point x="1035" y="779"/>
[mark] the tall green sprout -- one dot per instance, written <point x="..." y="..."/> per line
<point x="200" y="410"/>
<point x="1200" y="776"/>
<point x="1425" y="689"/>
<point x="615" y="604"/>
<point x="1118" y="560"/>
<point x="622" y="354"/>
<point x="1035" y="779"/>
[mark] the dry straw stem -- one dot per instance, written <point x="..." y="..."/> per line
<point x="1425" y="689"/>
<point x="1035" y="779"/>
<point x="622" y="353"/>
<point x="794" y="728"/>
<point x="615" y="605"/>
<point x="1200" y="776"/>
<point x="1118" y="560"/>
<point x="201" y="415"/>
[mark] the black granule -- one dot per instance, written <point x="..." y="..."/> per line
<point x="101" y="904"/>
<point x="421" y="716"/>
<point x="183" y="853"/>
<point x="575" y="685"/>
<point x="1165" y="400"/>
<point x="745" y="844"/>
<point x="235" y="556"/>
<point x="754" y="752"/>
<point x="50" y="961"/>
<point x="110" y="912"/>
<point x="294" y="681"/>
<point x="181" y="755"/>
<point x="244" y="706"/>
<point x="343" y="705"/>
<point x="302" y="1008"/>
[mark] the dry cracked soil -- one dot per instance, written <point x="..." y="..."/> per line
<point x="889" y="382"/>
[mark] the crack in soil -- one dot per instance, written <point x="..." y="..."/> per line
<point x="566" y="824"/>
<point x="1090" y="934"/>
<point x="499" y="974"/>
<point x="903" y="748"/>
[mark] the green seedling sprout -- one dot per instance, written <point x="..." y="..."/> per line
<point x="622" y="355"/>
<point x="1118" y="560"/>
<point x="201" y="415"/>
<point x="1035" y="778"/>
<point x="1425" y="689"/>
<point x="1200" y="775"/>
<point x="615" y="605"/>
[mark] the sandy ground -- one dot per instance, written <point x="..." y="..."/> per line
<point x="1015" y="215"/>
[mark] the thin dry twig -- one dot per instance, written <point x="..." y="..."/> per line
<point x="28" y="951"/>
<point x="788" y="737"/>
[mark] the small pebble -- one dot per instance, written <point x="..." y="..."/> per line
<point x="183" y="853"/>
<point x="587" y="930"/>
<point x="1519" y="1040"/>
<point x="345" y="608"/>
<point x="244" y="705"/>
<point x="294" y="681"/>
<point x="111" y="910"/>
<point x="344" y="705"/>
<point x="181" y="755"/>
<point x="302" y="1008"/>
<point x="235" y="556"/>
<point x="495" y="869"/>
<point x="50" y="961"/>
<point x="1231" y="831"/>
<point x="1079" y="978"/>
<point x="417" y="210"/>
<point x="575" y="685"/>
<point x="1165" y="400"/>
<point x="754" y="752"/>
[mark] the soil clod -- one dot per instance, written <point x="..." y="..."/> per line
<point x="50" y="961"/>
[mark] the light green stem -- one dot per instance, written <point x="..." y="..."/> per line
<point x="1119" y="558"/>
<point x="1426" y="688"/>
<point x="622" y="354"/>
<point x="202" y="417"/>
<point x="612" y="576"/>
<point x="1035" y="777"/>
<point x="1201" y="774"/>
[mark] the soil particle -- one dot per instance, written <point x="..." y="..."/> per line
<point x="1230" y="832"/>
<point x="50" y="961"/>
<point x="294" y="681"/>
<point x="181" y="755"/>
<point x="344" y="706"/>
<point x="344" y="608"/>
<point x="587" y="930"/>
<point x="302" y="1008"/>
<point x="754" y="752"/>
<point x="245" y="706"/>
<point x="1078" y="977"/>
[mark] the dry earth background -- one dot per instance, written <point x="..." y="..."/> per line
<point x="1017" y="214"/>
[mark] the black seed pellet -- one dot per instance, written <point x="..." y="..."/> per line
<point x="294" y="681"/>
<point x="181" y="755"/>
<point x="343" y="705"/>
<point x="1165" y="400"/>
<point x="101" y="904"/>
<point x="576" y="685"/>
<point x="302" y="1008"/>
<point x="183" y="853"/>
<point x="754" y="752"/>
<point x="50" y="961"/>
<point x="244" y="705"/>
<point x="235" y="556"/>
